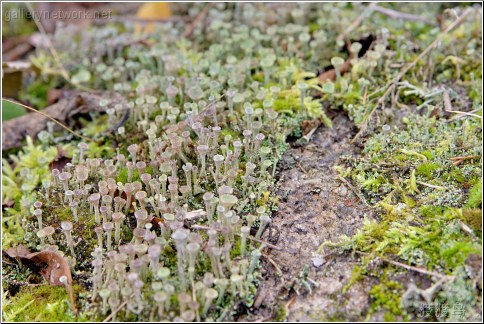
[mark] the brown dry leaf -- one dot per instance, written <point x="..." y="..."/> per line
<point x="155" y="11"/>
<point x="54" y="266"/>
<point x="18" y="252"/>
<point x="7" y="204"/>
<point x="60" y="160"/>
<point x="156" y="221"/>
<point x="331" y="74"/>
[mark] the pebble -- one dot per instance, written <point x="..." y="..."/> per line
<point x="318" y="261"/>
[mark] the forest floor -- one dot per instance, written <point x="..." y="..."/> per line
<point x="376" y="201"/>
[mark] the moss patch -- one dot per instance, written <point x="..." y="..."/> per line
<point x="40" y="304"/>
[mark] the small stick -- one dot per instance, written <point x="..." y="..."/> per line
<point x="291" y="301"/>
<point x="459" y="159"/>
<point x="448" y="107"/>
<point x="49" y="43"/>
<point x="279" y="271"/>
<point x="116" y="311"/>
<point x="346" y="182"/>
<point x="403" y="265"/>
<point x="308" y="136"/>
<point x="468" y="157"/>
<point x="431" y="186"/>
<point x="407" y="68"/>
<point x="394" y="14"/>
<point x="301" y="167"/>
<point x="49" y="117"/>
<point x="188" y="32"/>
<point x="464" y="113"/>
<point x="357" y="21"/>
<point x="468" y="230"/>
<point x="206" y="228"/>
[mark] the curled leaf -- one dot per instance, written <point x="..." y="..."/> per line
<point x="54" y="267"/>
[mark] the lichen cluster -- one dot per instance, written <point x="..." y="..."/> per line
<point x="161" y="215"/>
<point x="421" y="171"/>
<point x="167" y="226"/>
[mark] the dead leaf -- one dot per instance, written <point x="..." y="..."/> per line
<point x="65" y="111"/>
<point x="54" y="95"/>
<point x="54" y="266"/>
<point x="331" y="74"/>
<point x="18" y="252"/>
<point x="155" y="11"/>
<point x="60" y="160"/>
<point x="7" y="204"/>
<point x="156" y="221"/>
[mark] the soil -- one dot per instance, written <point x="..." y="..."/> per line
<point x="315" y="207"/>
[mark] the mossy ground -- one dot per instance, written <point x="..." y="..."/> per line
<point x="421" y="198"/>
<point x="40" y="303"/>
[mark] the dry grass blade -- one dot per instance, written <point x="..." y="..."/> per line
<point x="49" y="117"/>
<point x="408" y="67"/>
<point x="198" y="19"/>
<point x="405" y="266"/>
<point x="49" y="43"/>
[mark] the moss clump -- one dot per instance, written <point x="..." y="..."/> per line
<point x="475" y="195"/>
<point x="356" y="275"/>
<point x="427" y="169"/>
<point x="386" y="296"/>
<point x="281" y="313"/>
<point x="42" y="303"/>
<point x="473" y="218"/>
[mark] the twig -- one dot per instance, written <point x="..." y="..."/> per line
<point x="115" y="312"/>
<point x="308" y="136"/>
<point x="347" y="183"/>
<point x="403" y="265"/>
<point x="464" y="113"/>
<point x="408" y="67"/>
<point x="459" y="159"/>
<point x="357" y="21"/>
<point x="290" y="302"/>
<point x="206" y="228"/>
<point x="53" y="51"/>
<point x="448" y="107"/>
<point x="49" y="117"/>
<point x="279" y="271"/>
<point x="431" y="186"/>
<point x="461" y="114"/>
<point x="468" y="230"/>
<point x="394" y="14"/>
<point x="188" y="32"/>
<point x="49" y="44"/>
<point x="301" y="167"/>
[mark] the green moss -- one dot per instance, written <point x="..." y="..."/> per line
<point x="455" y="175"/>
<point x="475" y="195"/>
<point x="235" y="250"/>
<point x="473" y="218"/>
<point x="454" y="253"/>
<point x="430" y="211"/>
<point x="356" y="275"/>
<point x="62" y="213"/>
<point x="386" y="296"/>
<point x="426" y="169"/>
<point x="281" y="313"/>
<point x="40" y="304"/>
<point x="287" y="105"/>
<point x="122" y="175"/>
